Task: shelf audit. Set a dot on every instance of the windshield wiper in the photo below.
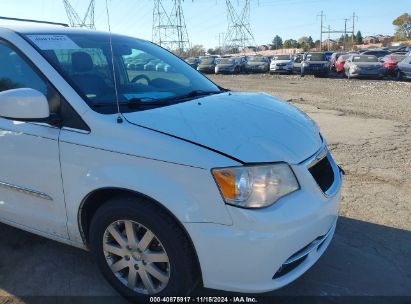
(145, 102)
(193, 94)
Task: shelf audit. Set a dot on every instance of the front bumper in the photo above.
(256, 69)
(366, 73)
(207, 69)
(255, 253)
(316, 71)
(219, 70)
(281, 69)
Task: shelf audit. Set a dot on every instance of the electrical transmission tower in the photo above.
(239, 34)
(74, 18)
(169, 29)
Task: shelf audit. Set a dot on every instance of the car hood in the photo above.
(256, 63)
(316, 62)
(250, 127)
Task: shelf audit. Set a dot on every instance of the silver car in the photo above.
(363, 66)
(256, 64)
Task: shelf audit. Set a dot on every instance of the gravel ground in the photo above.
(367, 124)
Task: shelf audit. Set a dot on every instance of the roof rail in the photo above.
(34, 21)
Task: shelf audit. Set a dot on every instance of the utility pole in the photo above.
(345, 33)
(329, 37)
(354, 18)
(322, 16)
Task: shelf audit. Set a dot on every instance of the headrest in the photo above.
(81, 62)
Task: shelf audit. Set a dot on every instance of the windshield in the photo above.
(316, 57)
(365, 59)
(225, 60)
(144, 72)
(257, 59)
(281, 57)
(207, 60)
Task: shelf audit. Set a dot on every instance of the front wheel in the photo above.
(141, 250)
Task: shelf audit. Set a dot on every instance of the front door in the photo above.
(31, 192)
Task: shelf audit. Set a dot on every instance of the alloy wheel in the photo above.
(136, 257)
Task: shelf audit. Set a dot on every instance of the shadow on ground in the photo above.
(364, 259)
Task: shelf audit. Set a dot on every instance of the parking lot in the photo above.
(368, 126)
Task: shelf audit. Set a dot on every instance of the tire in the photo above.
(398, 75)
(161, 253)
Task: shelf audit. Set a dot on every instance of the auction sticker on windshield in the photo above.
(53, 42)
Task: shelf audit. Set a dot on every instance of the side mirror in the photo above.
(24, 105)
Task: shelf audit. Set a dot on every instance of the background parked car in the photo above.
(333, 60)
(339, 65)
(193, 62)
(257, 64)
(297, 62)
(151, 65)
(404, 68)
(363, 66)
(328, 55)
(403, 48)
(390, 63)
(282, 64)
(233, 65)
(207, 64)
(315, 63)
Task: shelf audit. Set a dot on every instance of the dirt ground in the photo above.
(368, 126)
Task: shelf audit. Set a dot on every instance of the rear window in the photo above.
(282, 57)
(365, 59)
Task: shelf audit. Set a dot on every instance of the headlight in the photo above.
(255, 186)
(354, 67)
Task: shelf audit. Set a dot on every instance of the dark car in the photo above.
(315, 63)
(404, 68)
(256, 64)
(328, 55)
(231, 65)
(207, 64)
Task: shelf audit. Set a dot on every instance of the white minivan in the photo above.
(170, 180)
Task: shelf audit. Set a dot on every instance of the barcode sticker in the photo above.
(53, 42)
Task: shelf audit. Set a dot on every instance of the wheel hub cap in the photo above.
(136, 257)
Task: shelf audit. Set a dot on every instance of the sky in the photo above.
(206, 19)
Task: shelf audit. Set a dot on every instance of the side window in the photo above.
(16, 72)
